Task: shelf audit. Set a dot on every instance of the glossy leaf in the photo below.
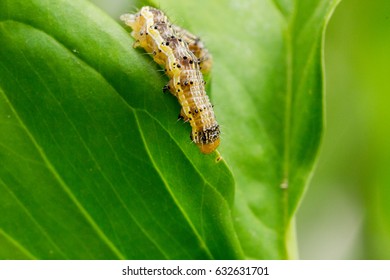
(94, 162)
(268, 91)
(96, 165)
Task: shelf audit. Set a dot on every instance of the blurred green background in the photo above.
(345, 213)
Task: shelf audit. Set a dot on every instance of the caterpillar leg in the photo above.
(171, 87)
(166, 88)
(182, 116)
(136, 44)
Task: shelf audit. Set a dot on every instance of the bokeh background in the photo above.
(345, 213)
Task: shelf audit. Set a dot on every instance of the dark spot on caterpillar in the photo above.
(167, 43)
(184, 57)
(191, 61)
(196, 111)
(191, 82)
(178, 66)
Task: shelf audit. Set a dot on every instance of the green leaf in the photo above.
(95, 164)
(268, 91)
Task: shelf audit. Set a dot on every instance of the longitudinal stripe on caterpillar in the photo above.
(176, 50)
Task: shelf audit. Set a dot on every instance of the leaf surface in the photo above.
(94, 163)
(268, 95)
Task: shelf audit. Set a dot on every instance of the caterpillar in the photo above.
(182, 55)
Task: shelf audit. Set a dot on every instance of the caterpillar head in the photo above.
(207, 139)
(210, 147)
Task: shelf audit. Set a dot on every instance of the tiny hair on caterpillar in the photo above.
(184, 58)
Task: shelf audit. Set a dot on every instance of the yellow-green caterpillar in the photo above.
(183, 56)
